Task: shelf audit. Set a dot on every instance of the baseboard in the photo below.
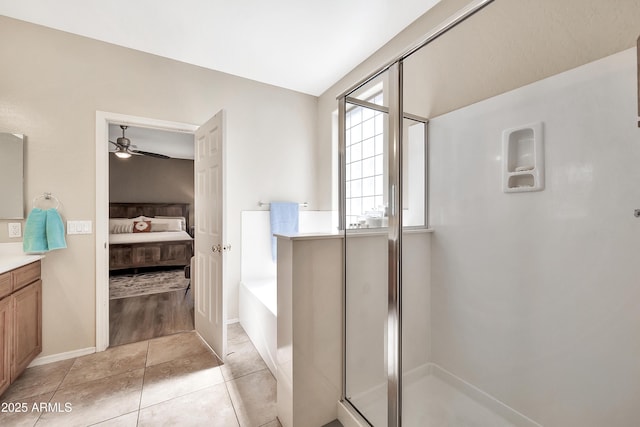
(44, 360)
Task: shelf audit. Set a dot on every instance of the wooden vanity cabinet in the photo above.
(26, 326)
(5, 343)
(20, 321)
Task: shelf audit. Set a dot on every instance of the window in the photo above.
(365, 161)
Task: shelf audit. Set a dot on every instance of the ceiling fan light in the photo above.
(122, 154)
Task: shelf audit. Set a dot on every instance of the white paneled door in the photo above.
(210, 248)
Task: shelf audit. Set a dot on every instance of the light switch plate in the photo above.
(15, 229)
(79, 227)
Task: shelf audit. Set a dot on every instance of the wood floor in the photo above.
(149, 316)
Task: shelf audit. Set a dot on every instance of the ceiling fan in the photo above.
(124, 149)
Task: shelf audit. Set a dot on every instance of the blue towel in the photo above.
(55, 230)
(284, 220)
(43, 231)
(35, 232)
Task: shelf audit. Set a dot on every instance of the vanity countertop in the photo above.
(10, 262)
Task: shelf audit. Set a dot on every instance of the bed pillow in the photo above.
(114, 222)
(126, 221)
(121, 228)
(157, 226)
(141, 226)
(173, 223)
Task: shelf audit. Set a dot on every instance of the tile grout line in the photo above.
(112, 418)
(95, 379)
(269, 422)
(180, 396)
(144, 374)
(67, 374)
(235, 412)
(233, 405)
(195, 390)
(56, 390)
(244, 375)
(218, 365)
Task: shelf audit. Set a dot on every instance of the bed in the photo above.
(149, 235)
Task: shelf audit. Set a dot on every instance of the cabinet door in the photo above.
(27, 327)
(5, 284)
(5, 343)
(24, 275)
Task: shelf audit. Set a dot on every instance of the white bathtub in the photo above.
(258, 288)
(258, 316)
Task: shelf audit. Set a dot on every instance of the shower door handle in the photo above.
(392, 200)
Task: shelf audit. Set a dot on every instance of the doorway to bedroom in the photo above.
(151, 217)
(207, 266)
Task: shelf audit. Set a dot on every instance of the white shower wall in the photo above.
(535, 297)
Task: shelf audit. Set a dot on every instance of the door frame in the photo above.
(103, 119)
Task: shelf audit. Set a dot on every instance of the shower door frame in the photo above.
(396, 116)
(395, 228)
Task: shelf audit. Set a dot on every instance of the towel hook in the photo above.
(46, 196)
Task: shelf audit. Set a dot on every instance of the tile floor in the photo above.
(169, 381)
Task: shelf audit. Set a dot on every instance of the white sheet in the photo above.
(160, 236)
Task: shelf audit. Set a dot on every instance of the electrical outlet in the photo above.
(15, 229)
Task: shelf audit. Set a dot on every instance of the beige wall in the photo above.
(52, 83)
(145, 179)
(505, 46)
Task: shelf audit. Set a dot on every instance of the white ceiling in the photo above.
(306, 46)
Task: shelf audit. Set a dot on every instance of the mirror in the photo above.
(11, 176)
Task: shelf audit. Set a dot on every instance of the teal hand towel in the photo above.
(55, 230)
(43, 231)
(35, 234)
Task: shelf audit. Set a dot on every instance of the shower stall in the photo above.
(466, 298)
(384, 216)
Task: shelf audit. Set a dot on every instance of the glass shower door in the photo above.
(371, 352)
(364, 169)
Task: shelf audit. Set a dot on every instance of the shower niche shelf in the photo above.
(523, 159)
